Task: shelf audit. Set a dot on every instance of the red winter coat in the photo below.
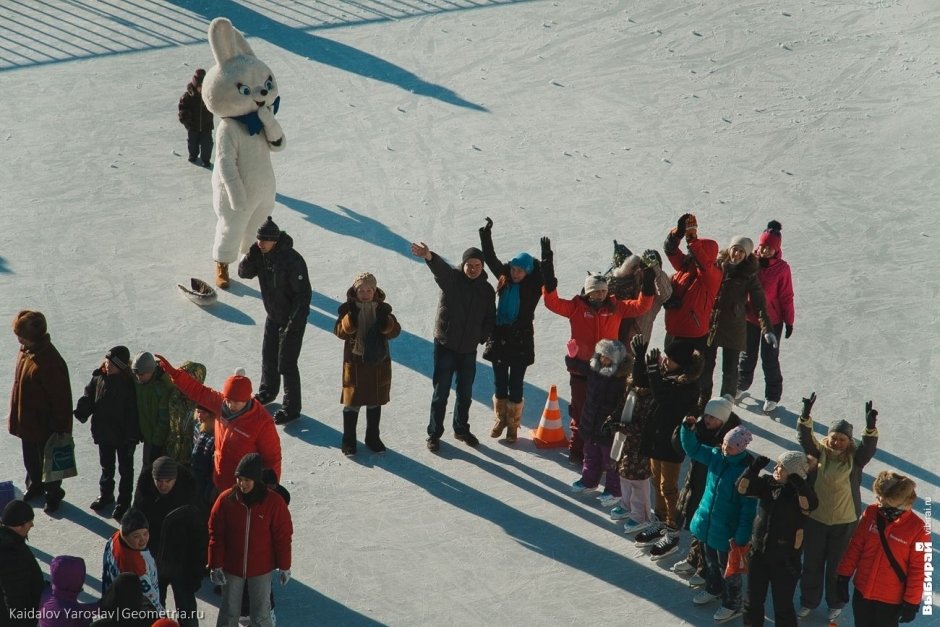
(778, 293)
(696, 279)
(248, 541)
(41, 399)
(865, 557)
(252, 431)
(588, 325)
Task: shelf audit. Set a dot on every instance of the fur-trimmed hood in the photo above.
(747, 268)
(613, 350)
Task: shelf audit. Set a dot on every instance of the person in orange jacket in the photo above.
(887, 592)
(594, 315)
(250, 531)
(242, 425)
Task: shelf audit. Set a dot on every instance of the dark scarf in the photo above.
(251, 120)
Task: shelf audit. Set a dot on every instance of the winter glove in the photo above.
(787, 330)
(808, 405)
(638, 344)
(548, 266)
(651, 258)
(759, 464)
(871, 416)
(649, 282)
(487, 228)
(610, 426)
(621, 252)
(652, 360)
(284, 577)
(382, 312)
(679, 231)
(353, 312)
(166, 367)
(909, 612)
(771, 339)
(217, 577)
(842, 588)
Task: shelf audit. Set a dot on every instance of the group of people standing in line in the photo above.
(220, 450)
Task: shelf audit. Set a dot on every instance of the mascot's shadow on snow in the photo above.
(327, 51)
(352, 224)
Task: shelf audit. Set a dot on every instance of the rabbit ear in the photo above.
(225, 41)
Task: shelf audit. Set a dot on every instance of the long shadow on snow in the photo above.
(326, 51)
(352, 224)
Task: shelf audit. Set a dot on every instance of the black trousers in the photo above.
(183, 595)
(729, 371)
(769, 361)
(874, 613)
(280, 351)
(33, 455)
(779, 570)
(125, 465)
(199, 142)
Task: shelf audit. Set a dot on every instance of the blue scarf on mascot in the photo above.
(251, 120)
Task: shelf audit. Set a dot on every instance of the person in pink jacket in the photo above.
(242, 425)
(774, 276)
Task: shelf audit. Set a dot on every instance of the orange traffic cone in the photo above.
(550, 433)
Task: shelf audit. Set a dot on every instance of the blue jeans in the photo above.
(508, 381)
(728, 588)
(448, 363)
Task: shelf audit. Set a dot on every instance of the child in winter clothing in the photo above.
(366, 324)
(201, 461)
(606, 390)
(511, 347)
(672, 379)
(197, 119)
(594, 315)
(785, 498)
(250, 534)
(126, 552)
(837, 482)
(123, 597)
(111, 401)
(774, 277)
(153, 404)
(723, 517)
(632, 465)
(62, 609)
(717, 420)
(728, 325)
(179, 439)
(887, 591)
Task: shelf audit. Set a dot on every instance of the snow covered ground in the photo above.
(585, 121)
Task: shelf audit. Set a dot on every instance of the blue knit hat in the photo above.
(523, 261)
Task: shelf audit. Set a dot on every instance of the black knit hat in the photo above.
(164, 468)
(681, 352)
(251, 467)
(268, 232)
(120, 357)
(16, 513)
(133, 520)
(471, 253)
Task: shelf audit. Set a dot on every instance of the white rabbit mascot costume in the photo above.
(241, 91)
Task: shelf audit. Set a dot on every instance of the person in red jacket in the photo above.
(594, 315)
(886, 592)
(242, 425)
(774, 276)
(250, 532)
(694, 284)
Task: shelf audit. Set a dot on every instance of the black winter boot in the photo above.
(373, 415)
(350, 419)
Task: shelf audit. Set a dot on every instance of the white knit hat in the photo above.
(594, 283)
(794, 463)
(719, 408)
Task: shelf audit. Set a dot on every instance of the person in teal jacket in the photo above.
(724, 517)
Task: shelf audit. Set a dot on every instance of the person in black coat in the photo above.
(110, 400)
(122, 605)
(21, 580)
(673, 380)
(197, 119)
(777, 540)
(511, 347)
(285, 291)
(178, 537)
(466, 314)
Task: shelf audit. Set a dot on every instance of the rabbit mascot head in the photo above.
(242, 91)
